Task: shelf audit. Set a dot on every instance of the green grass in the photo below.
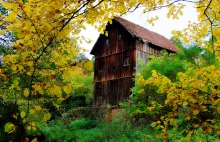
(121, 129)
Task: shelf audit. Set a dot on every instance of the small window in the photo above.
(119, 36)
(100, 66)
(126, 61)
(107, 42)
(114, 68)
(99, 92)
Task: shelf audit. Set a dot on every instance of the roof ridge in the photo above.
(147, 35)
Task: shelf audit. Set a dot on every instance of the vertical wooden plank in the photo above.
(104, 94)
(116, 35)
(117, 91)
(95, 95)
(121, 91)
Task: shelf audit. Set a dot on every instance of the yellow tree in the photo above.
(39, 66)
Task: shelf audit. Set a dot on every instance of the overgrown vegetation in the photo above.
(86, 130)
(122, 128)
(179, 93)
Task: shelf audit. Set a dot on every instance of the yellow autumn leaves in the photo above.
(26, 92)
(156, 79)
(53, 90)
(194, 93)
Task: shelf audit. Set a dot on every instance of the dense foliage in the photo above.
(120, 129)
(179, 91)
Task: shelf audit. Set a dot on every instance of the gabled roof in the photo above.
(145, 35)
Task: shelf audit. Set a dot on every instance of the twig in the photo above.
(211, 23)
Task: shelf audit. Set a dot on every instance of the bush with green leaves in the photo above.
(168, 65)
(84, 87)
(82, 92)
(8, 111)
(120, 129)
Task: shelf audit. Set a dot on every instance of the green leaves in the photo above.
(53, 65)
(154, 124)
(9, 127)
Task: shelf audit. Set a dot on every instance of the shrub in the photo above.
(168, 65)
(8, 112)
(121, 129)
(84, 87)
(71, 115)
(56, 131)
(83, 124)
(180, 101)
(86, 130)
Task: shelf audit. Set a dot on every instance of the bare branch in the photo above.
(211, 23)
(163, 6)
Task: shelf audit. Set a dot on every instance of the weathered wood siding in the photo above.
(112, 91)
(116, 58)
(114, 66)
(114, 45)
(145, 49)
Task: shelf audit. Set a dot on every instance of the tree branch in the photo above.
(211, 23)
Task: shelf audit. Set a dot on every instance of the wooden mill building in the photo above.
(116, 59)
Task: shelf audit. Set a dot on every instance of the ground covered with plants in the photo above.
(147, 116)
(179, 92)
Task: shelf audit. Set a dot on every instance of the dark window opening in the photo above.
(126, 61)
(99, 92)
(114, 69)
(107, 42)
(120, 37)
(101, 66)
